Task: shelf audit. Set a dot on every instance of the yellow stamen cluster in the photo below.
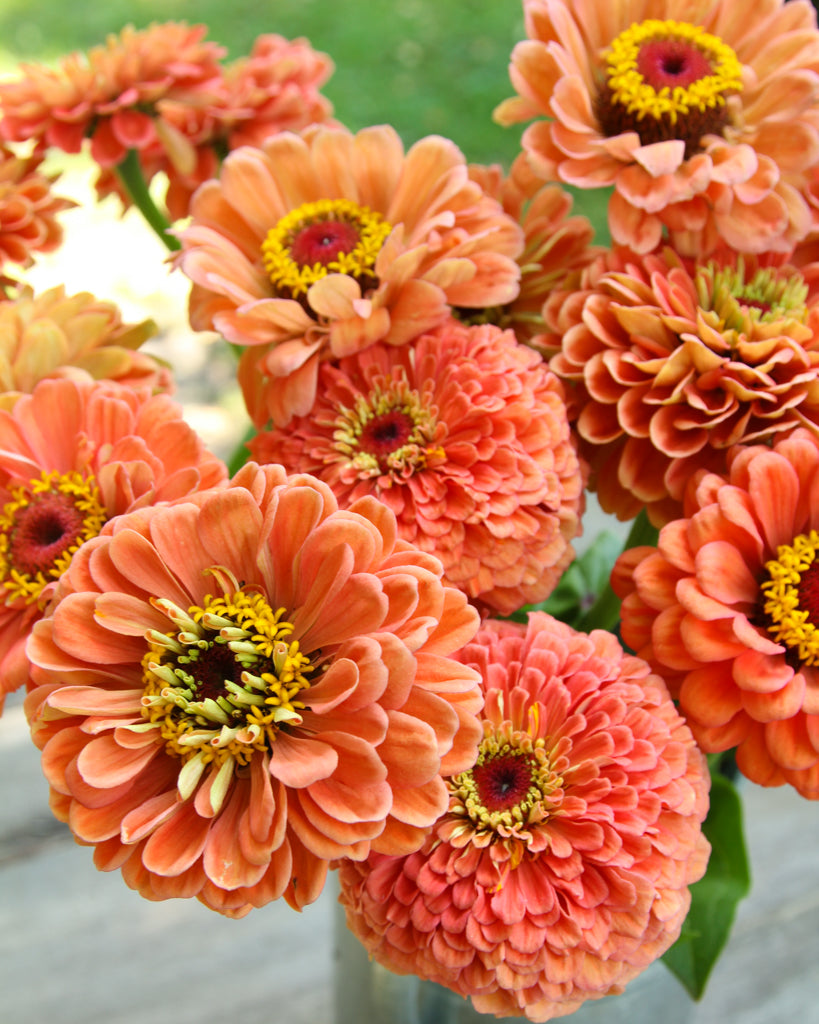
(630, 89)
(294, 279)
(767, 298)
(220, 685)
(387, 397)
(83, 494)
(788, 623)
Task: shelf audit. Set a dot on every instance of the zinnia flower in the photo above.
(561, 868)
(555, 246)
(72, 456)
(320, 245)
(726, 607)
(673, 366)
(464, 435)
(111, 94)
(701, 115)
(77, 336)
(28, 209)
(238, 687)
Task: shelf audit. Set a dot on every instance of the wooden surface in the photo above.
(79, 947)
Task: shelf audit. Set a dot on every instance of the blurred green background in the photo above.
(425, 66)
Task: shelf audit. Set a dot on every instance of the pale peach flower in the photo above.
(112, 94)
(561, 869)
(674, 363)
(73, 455)
(726, 607)
(77, 336)
(28, 209)
(701, 114)
(463, 433)
(317, 246)
(234, 689)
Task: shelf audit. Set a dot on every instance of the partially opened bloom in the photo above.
(76, 336)
(238, 687)
(555, 245)
(562, 866)
(702, 115)
(28, 209)
(673, 365)
(464, 434)
(726, 608)
(320, 245)
(111, 94)
(72, 456)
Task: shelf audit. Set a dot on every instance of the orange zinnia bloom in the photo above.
(28, 210)
(561, 869)
(237, 688)
(673, 365)
(77, 336)
(464, 434)
(319, 245)
(112, 94)
(72, 456)
(726, 607)
(701, 114)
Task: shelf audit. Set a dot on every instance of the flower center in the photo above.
(42, 526)
(668, 80)
(328, 236)
(393, 430)
(791, 597)
(737, 304)
(221, 684)
(511, 787)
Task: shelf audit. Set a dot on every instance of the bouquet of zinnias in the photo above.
(362, 645)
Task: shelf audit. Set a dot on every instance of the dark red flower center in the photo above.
(386, 433)
(323, 242)
(502, 782)
(43, 530)
(808, 590)
(671, 63)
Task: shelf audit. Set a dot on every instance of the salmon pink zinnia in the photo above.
(726, 607)
(234, 689)
(317, 246)
(561, 868)
(72, 456)
(28, 210)
(464, 435)
(705, 122)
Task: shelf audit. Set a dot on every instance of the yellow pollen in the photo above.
(630, 90)
(83, 501)
(222, 684)
(294, 278)
(788, 623)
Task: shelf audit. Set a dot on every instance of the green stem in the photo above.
(605, 612)
(240, 454)
(133, 181)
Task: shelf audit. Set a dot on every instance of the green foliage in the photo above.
(715, 897)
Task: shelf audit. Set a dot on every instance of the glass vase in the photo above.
(367, 993)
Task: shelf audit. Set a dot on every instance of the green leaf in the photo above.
(715, 897)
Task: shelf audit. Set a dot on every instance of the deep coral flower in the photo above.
(705, 122)
(673, 365)
(236, 688)
(28, 209)
(726, 608)
(562, 866)
(110, 94)
(555, 245)
(464, 435)
(72, 456)
(320, 245)
(59, 335)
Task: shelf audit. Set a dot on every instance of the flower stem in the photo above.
(605, 612)
(133, 181)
